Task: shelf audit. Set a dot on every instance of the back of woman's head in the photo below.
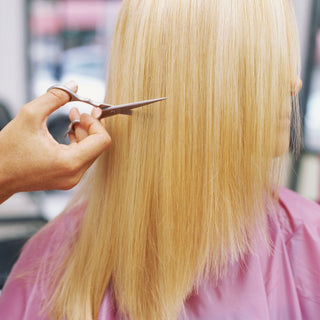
(182, 191)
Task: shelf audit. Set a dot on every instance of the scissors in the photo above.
(107, 109)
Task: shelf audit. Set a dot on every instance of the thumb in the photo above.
(52, 100)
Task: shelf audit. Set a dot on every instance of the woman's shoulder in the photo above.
(298, 212)
(296, 203)
(56, 233)
(300, 227)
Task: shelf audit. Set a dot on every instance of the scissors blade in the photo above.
(126, 108)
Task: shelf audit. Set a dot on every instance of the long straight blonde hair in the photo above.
(183, 190)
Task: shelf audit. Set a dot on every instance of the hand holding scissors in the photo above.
(32, 160)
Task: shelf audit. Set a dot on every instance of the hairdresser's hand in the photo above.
(32, 160)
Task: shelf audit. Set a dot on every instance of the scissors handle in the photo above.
(76, 97)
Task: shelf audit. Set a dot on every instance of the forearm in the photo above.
(4, 197)
(4, 190)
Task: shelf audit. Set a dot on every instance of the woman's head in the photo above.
(182, 191)
(234, 61)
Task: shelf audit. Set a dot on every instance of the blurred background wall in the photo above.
(13, 53)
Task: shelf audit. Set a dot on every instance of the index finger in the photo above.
(52, 100)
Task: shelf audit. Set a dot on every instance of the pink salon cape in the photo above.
(284, 285)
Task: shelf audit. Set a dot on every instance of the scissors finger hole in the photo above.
(71, 126)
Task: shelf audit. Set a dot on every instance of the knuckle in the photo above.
(28, 112)
(72, 167)
(71, 182)
(59, 95)
(70, 173)
(106, 141)
(68, 166)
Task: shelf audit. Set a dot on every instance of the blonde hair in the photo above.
(183, 190)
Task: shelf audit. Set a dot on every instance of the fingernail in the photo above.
(96, 112)
(72, 85)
